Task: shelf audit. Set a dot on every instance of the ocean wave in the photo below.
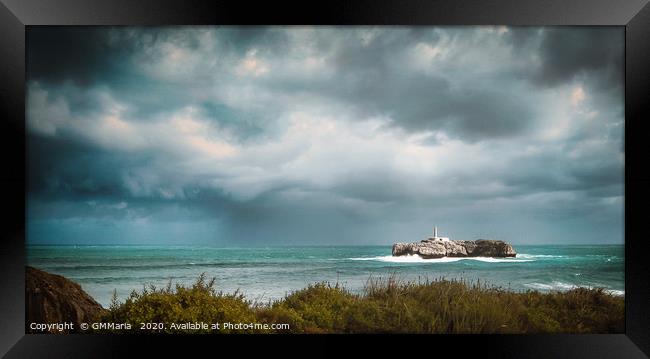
(146, 266)
(418, 259)
(524, 255)
(551, 286)
(562, 286)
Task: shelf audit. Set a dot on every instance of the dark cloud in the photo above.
(61, 168)
(322, 134)
(69, 53)
(524, 38)
(480, 114)
(567, 52)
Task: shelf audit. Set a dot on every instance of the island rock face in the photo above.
(429, 248)
(51, 298)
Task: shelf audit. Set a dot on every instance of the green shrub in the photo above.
(386, 306)
(320, 306)
(198, 303)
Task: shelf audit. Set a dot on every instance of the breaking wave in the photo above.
(527, 256)
(562, 286)
(418, 259)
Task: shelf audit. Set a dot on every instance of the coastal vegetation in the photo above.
(386, 305)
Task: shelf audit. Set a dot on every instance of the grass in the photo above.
(385, 306)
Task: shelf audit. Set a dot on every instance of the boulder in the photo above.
(51, 298)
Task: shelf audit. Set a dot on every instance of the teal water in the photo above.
(264, 274)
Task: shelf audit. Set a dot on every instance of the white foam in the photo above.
(524, 255)
(561, 286)
(552, 286)
(418, 259)
(498, 260)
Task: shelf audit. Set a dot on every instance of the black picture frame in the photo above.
(15, 15)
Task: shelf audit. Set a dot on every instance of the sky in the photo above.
(265, 136)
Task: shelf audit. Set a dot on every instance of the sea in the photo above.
(265, 274)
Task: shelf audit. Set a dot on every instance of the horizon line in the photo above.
(278, 245)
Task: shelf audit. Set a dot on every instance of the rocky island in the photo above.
(438, 247)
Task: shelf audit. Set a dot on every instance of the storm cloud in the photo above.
(324, 135)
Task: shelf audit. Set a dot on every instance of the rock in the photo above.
(402, 249)
(454, 249)
(493, 248)
(51, 298)
(470, 247)
(430, 248)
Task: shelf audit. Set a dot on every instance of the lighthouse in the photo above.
(435, 235)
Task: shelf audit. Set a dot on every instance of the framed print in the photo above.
(362, 172)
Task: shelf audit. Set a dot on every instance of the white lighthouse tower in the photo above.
(435, 235)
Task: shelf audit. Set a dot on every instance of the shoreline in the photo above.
(542, 288)
(326, 308)
(100, 270)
